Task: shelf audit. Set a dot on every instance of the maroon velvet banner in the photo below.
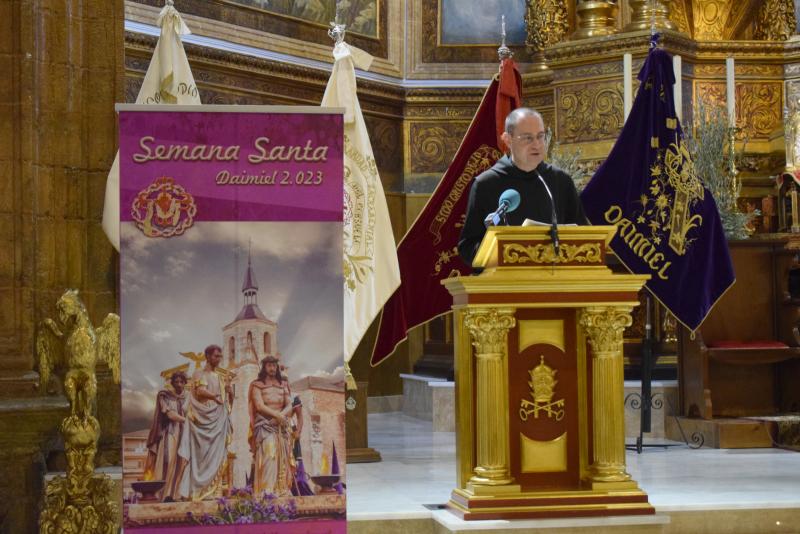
(429, 251)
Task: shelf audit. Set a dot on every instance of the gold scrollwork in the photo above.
(542, 383)
(710, 18)
(546, 22)
(489, 329)
(433, 146)
(604, 327)
(589, 112)
(758, 106)
(775, 21)
(567, 253)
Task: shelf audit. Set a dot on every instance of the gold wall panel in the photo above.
(433, 145)
(742, 70)
(543, 456)
(590, 111)
(758, 105)
(548, 331)
(710, 17)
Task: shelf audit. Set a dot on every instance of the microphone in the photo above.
(509, 201)
(553, 215)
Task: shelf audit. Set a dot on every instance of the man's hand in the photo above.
(229, 392)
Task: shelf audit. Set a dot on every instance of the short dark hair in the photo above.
(210, 350)
(513, 118)
(176, 375)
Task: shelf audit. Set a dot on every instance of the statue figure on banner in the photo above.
(167, 442)
(210, 429)
(271, 441)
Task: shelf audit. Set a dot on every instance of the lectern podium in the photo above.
(539, 378)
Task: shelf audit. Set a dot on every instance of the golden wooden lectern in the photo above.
(539, 378)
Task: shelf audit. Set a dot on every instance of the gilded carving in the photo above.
(677, 14)
(443, 110)
(434, 144)
(758, 106)
(542, 383)
(546, 22)
(589, 112)
(775, 21)
(514, 253)
(81, 501)
(489, 330)
(742, 69)
(710, 18)
(539, 101)
(604, 328)
(590, 71)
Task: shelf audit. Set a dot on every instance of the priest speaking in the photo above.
(545, 193)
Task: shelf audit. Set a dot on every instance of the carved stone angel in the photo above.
(74, 344)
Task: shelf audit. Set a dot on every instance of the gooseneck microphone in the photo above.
(553, 215)
(509, 201)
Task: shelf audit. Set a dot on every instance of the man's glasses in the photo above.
(527, 139)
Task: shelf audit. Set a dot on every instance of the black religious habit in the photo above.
(534, 201)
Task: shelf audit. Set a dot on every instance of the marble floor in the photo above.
(418, 472)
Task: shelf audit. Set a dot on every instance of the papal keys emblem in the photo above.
(163, 209)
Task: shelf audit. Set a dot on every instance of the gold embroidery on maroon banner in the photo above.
(480, 160)
(163, 209)
(443, 257)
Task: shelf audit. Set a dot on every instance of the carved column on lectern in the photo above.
(489, 331)
(604, 326)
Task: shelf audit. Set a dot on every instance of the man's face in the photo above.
(527, 143)
(178, 384)
(215, 358)
(271, 368)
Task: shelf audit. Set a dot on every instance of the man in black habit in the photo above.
(525, 171)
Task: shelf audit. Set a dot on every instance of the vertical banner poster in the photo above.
(231, 304)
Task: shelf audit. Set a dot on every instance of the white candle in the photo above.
(731, 96)
(627, 68)
(677, 90)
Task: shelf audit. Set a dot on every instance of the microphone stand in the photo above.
(553, 218)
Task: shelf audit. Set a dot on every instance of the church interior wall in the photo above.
(67, 69)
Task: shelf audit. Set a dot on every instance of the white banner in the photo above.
(168, 80)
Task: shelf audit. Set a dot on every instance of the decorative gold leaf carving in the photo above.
(433, 145)
(547, 22)
(489, 329)
(514, 253)
(604, 328)
(758, 105)
(589, 112)
(775, 21)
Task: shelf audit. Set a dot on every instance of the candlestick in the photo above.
(627, 64)
(731, 96)
(678, 90)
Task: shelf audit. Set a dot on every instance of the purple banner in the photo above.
(231, 297)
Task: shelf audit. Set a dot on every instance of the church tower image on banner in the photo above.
(250, 338)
